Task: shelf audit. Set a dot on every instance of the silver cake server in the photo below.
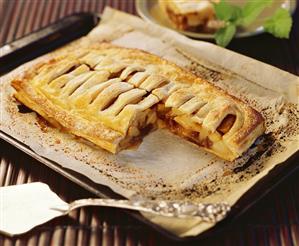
(208, 212)
(26, 206)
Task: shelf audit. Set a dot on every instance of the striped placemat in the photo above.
(272, 221)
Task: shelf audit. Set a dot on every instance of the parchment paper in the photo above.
(165, 166)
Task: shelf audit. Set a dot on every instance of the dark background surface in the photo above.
(272, 221)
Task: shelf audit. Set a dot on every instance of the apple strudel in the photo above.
(113, 96)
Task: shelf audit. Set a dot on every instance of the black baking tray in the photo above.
(71, 28)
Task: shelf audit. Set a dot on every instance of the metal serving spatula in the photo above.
(22, 207)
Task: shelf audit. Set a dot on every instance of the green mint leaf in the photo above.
(224, 35)
(252, 9)
(227, 12)
(279, 24)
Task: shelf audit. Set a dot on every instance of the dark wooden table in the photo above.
(272, 221)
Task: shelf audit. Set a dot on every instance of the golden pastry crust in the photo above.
(61, 117)
(113, 96)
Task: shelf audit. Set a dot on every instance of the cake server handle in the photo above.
(208, 212)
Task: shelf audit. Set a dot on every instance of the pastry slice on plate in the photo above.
(114, 96)
(191, 15)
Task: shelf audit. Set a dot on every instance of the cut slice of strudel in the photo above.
(191, 15)
(113, 96)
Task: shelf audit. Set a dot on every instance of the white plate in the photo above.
(149, 10)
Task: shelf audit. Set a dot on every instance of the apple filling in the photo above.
(185, 127)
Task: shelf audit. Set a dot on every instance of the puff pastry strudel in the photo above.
(113, 96)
